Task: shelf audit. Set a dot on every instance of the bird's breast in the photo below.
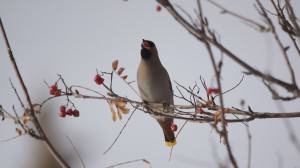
(154, 85)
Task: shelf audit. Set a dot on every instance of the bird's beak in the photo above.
(145, 44)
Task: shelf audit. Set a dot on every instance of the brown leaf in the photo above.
(26, 119)
(119, 114)
(114, 116)
(124, 110)
(120, 70)
(115, 64)
(119, 103)
(124, 77)
(19, 131)
(113, 112)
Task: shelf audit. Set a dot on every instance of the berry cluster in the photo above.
(54, 90)
(63, 112)
(98, 79)
(174, 127)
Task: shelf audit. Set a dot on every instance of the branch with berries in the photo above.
(201, 109)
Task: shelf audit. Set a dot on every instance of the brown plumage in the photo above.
(155, 86)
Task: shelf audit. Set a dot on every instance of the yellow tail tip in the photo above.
(170, 144)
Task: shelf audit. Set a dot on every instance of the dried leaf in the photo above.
(124, 110)
(119, 114)
(120, 103)
(115, 64)
(120, 70)
(113, 112)
(26, 119)
(124, 77)
(114, 116)
(19, 131)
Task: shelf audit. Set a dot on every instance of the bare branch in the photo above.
(255, 24)
(290, 87)
(36, 123)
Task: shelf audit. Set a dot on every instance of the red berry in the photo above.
(57, 93)
(213, 90)
(98, 79)
(62, 114)
(53, 87)
(174, 127)
(69, 112)
(54, 90)
(76, 113)
(62, 108)
(158, 8)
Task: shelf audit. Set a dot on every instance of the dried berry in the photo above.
(62, 108)
(213, 91)
(62, 114)
(174, 127)
(54, 90)
(57, 93)
(69, 112)
(76, 113)
(158, 8)
(98, 79)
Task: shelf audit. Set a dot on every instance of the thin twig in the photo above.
(16, 92)
(259, 26)
(249, 146)
(276, 36)
(129, 162)
(36, 123)
(179, 131)
(11, 138)
(235, 86)
(121, 131)
(77, 153)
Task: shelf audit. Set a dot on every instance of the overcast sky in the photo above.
(73, 38)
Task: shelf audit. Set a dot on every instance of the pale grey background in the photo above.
(73, 38)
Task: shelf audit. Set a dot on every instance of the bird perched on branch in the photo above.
(155, 86)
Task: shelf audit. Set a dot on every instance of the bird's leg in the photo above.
(166, 107)
(147, 107)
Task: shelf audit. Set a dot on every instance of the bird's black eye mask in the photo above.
(146, 54)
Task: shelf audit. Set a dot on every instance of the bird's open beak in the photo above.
(145, 44)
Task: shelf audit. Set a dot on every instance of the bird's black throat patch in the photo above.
(146, 54)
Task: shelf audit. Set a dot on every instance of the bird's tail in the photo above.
(168, 133)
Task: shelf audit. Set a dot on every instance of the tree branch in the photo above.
(35, 121)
